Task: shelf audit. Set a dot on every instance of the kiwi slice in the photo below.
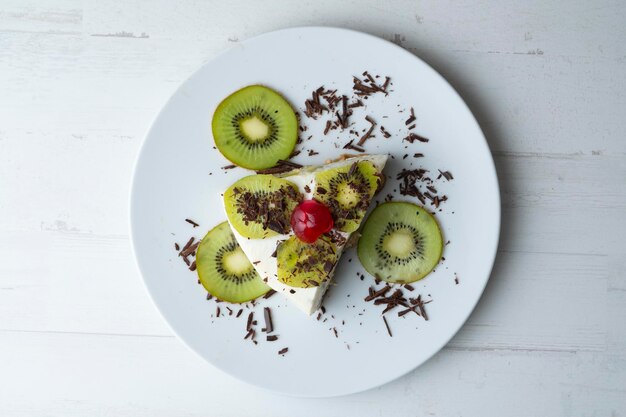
(303, 264)
(255, 127)
(224, 270)
(347, 191)
(260, 206)
(400, 242)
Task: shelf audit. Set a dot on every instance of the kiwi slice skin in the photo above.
(347, 191)
(260, 206)
(255, 127)
(305, 265)
(400, 242)
(224, 270)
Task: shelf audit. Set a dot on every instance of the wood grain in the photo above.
(80, 82)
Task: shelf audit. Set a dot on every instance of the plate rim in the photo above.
(490, 255)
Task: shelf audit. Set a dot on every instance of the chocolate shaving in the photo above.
(386, 84)
(387, 326)
(368, 86)
(239, 312)
(283, 351)
(278, 169)
(446, 174)
(367, 134)
(289, 163)
(411, 118)
(177, 246)
(249, 322)
(281, 167)
(418, 155)
(312, 152)
(412, 137)
(344, 119)
(384, 132)
(350, 145)
(269, 294)
(191, 222)
(189, 242)
(375, 294)
(190, 249)
(193, 266)
(229, 166)
(407, 311)
(269, 209)
(352, 169)
(271, 338)
(313, 106)
(217, 312)
(336, 237)
(420, 304)
(267, 315)
(327, 128)
(358, 103)
(408, 184)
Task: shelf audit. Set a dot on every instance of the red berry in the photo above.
(310, 220)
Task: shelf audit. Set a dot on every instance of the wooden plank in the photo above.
(78, 375)
(70, 282)
(58, 17)
(80, 82)
(540, 301)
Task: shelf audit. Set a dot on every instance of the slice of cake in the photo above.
(293, 227)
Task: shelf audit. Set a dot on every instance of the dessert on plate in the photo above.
(294, 228)
(287, 228)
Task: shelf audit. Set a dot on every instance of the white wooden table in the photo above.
(81, 81)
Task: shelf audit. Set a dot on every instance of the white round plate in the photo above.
(178, 175)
